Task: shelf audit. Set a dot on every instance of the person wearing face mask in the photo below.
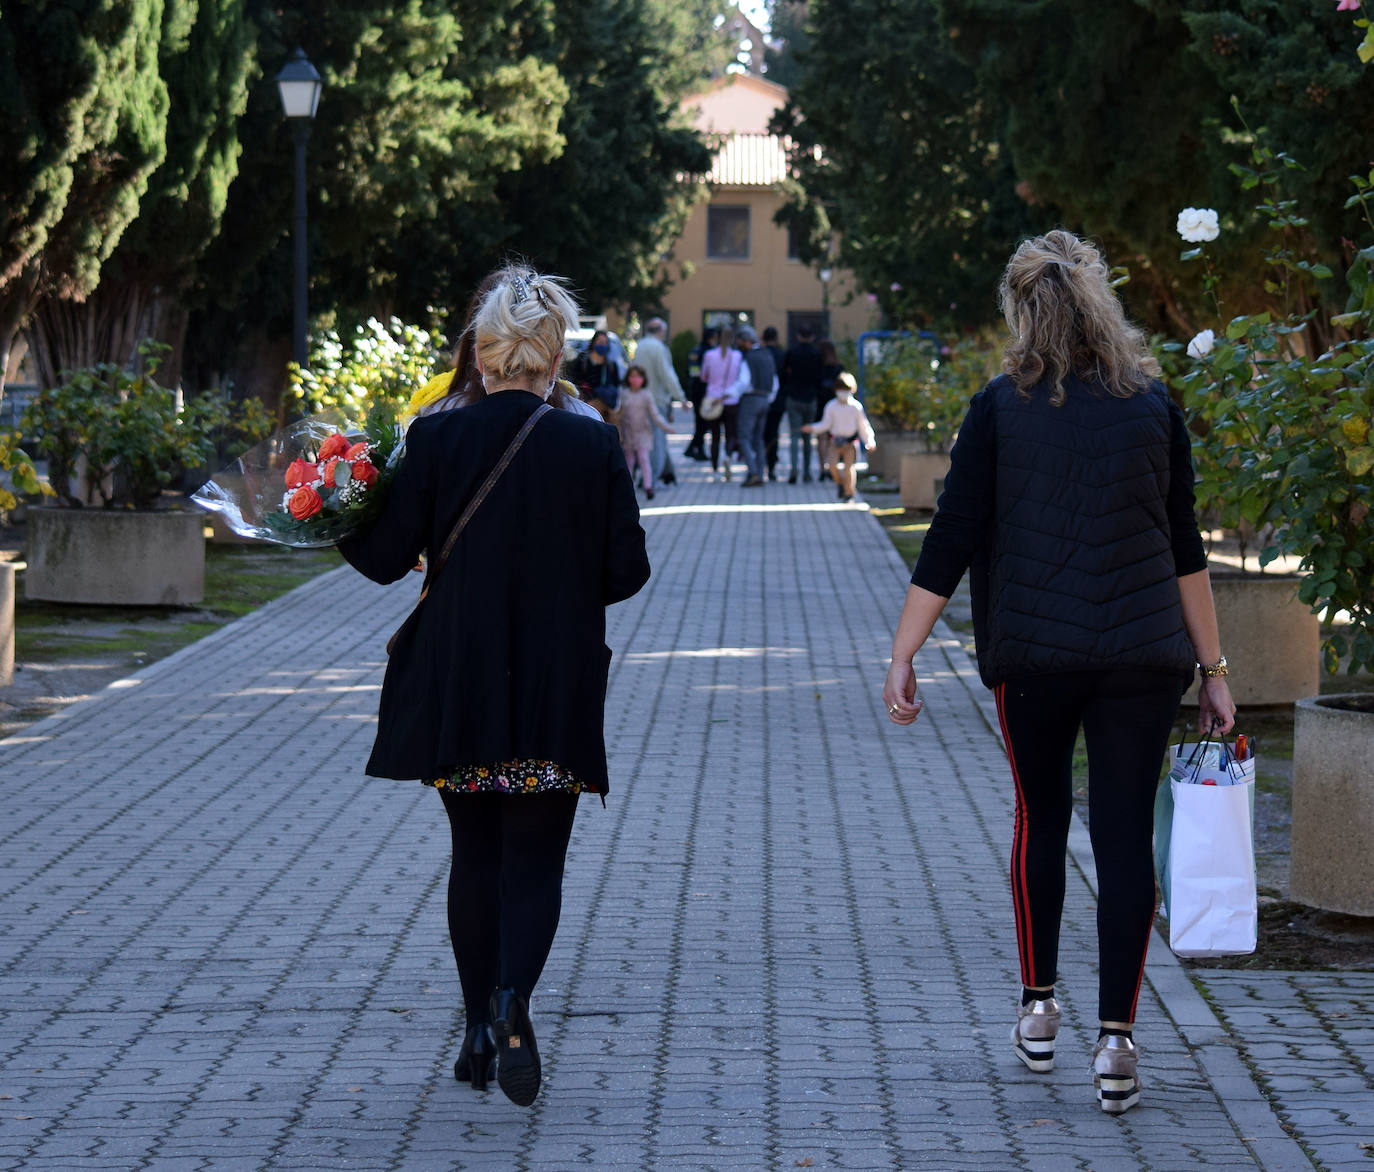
(846, 424)
(597, 378)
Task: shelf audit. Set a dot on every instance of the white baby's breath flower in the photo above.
(1202, 344)
(1197, 225)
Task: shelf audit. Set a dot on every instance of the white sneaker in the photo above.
(1032, 1037)
(1115, 1074)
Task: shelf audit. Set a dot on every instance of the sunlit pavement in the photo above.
(786, 942)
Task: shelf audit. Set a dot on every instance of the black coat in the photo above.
(506, 659)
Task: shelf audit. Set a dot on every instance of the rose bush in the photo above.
(1284, 434)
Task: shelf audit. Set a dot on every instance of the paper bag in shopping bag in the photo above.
(1204, 850)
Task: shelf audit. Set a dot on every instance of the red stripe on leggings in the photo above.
(1020, 897)
(1144, 953)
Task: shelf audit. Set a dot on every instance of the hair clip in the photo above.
(519, 288)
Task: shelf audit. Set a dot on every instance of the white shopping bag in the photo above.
(1204, 851)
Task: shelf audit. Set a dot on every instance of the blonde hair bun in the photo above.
(519, 328)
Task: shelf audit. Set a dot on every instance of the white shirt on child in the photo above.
(842, 420)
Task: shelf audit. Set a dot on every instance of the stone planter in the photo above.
(1333, 803)
(116, 557)
(1271, 640)
(7, 570)
(886, 459)
(920, 471)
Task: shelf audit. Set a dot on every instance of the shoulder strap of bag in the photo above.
(480, 495)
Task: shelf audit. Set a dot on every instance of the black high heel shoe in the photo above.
(476, 1057)
(517, 1061)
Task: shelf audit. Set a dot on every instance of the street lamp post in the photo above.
(299, 86)
(825, 275)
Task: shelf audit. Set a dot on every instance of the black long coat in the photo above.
(507, 658)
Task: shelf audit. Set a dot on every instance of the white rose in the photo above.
(1196, 225)
(1201, 345)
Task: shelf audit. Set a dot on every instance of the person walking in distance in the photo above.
(696, 391)
(846, 424)
(1070, 499)
(720, 405)
(639, 421)
(831, 369)
(656, 360)
(776, 404)
(755, 386)
(492, 695)
(801, 388)
(597, 378)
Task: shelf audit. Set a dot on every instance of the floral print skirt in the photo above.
(510, 777)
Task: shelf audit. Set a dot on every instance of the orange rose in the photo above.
(301, 473)
(336, 445)
(304, 502)
(357, 450)
(365, 472)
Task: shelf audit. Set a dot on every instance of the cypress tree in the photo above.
(83, 113)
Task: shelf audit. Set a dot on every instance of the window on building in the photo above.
(727, 232)
(793, 243)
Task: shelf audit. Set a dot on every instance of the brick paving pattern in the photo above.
(787, 942)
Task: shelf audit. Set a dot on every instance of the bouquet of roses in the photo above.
(313, 483)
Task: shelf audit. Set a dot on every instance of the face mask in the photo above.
(602, 348)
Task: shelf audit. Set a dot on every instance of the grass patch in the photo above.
(238, 580)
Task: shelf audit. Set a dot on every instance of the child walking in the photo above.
(846, 424)
(638, 418)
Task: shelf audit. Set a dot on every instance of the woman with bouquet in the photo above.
(495, 690)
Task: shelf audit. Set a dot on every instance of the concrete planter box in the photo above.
(116, 557)
(1333, 804)
(1271, 640)
(886, 459)
(7, 570)
(920, 471)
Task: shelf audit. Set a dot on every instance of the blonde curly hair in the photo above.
(1065, 320)
(519, 328)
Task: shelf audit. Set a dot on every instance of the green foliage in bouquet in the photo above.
(379, 365)
(1283, 434)
(920, 386)
(130, 432)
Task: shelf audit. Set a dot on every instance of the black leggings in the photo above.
(505, 889)
(726, 422)
(1126, 717)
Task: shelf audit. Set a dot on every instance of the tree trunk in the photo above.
(15, 302)
(65, 335)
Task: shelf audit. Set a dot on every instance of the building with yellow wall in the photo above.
(741, 264)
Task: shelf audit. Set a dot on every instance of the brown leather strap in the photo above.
(480, 495)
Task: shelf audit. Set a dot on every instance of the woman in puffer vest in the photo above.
(1070, 501)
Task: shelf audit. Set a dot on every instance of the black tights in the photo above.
(1126, 717)
(505, 889)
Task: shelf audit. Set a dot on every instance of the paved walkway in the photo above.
(787, 942)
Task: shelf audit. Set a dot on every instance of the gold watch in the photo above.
(1213, 670)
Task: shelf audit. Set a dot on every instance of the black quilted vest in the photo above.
(1078, 573)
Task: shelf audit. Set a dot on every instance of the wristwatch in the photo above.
(1213, 670)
